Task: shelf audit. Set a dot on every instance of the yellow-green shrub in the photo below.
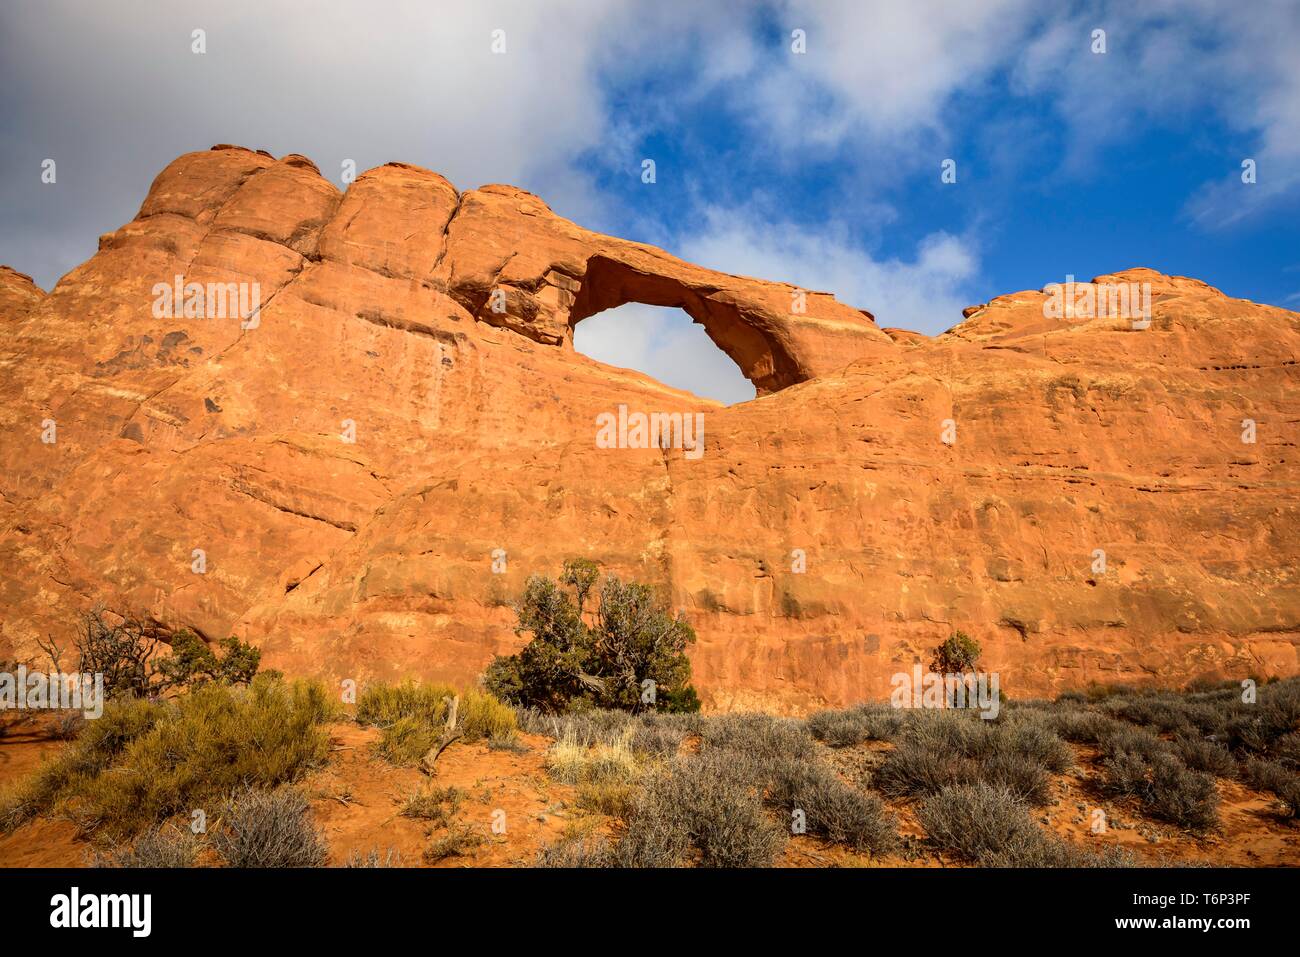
(96, 747)
(381, 705)
(606, 775)
(141, 763)
(412, 717)
(483, 716)
(407, 740)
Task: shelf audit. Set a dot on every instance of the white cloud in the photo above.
(114, 92)
(1174, 60)
(925, 293)
(878, 72)
(666, 345)
(890, 66)
(1264, 98)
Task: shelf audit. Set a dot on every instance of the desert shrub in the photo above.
(438, 804)
(943, 749)
(171, 757)
(1138, 763)
(659, 736)
(1138, 741)
(309, 699)
(1275, 715)
(606, 775)
(1083, 727)
(374, 858)
(1287, 750)
(412, 718)
(121, 652)
(99, 745)
(759, 736)
(407, 740)
(568, 663)
(1281, 705)
(1127, 752)
(912, 769)
(1109, 856)
(535, 721)
(483, 716)
(1181, 796)
(1205, 713)
(381, 705)
(958, 654)
(1201, 755)
(1165, 713)
(67, 724)
(192, 662)
(986, 825)
(839, 729)
(948, 730)
(832, 809)
(457, 841)
(977, 821)
(167, 847)
(699, 809)
(749, 761)
(1040, 849)
(263, 828)
(1028, 849)
(1098, 691)
(842, 729)
(881, 723)
(1034, 738)
(1264, 775)
(1208, 716)
(1246, 732)
(577, 851)
(590, 726)
(1027, 780)
(1124, 773)
(1165, 787)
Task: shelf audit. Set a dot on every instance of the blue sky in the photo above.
(820, 168)
(1147, 175)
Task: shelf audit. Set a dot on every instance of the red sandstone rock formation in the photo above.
(475, 432)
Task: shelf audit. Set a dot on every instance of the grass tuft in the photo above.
(262, 828)
(143, 762)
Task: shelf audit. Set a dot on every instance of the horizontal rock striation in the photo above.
(336, 473)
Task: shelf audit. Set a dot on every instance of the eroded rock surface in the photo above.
(435, 326)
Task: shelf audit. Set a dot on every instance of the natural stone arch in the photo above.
(762, 358)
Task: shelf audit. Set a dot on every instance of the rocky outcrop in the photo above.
(18, 294)
(360, 473)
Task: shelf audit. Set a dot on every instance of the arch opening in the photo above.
(741, 329)
(665, 344)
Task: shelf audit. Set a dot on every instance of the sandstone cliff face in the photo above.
(435, 326)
